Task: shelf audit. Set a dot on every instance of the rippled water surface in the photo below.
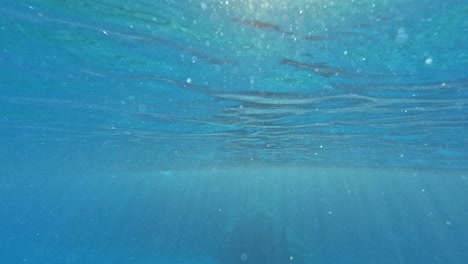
(183, 83)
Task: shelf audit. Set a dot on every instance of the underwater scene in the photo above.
(234, 132)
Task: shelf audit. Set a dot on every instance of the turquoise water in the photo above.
(233, 131)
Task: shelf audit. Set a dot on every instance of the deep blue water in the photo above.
(233, 131)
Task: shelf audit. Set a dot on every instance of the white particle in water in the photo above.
(428, 60)
(167, 173)
(203, 5)
(401, 35)
(189, 80)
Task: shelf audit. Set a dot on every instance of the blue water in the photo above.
(226, 132)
